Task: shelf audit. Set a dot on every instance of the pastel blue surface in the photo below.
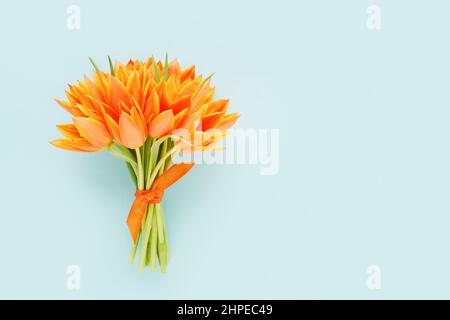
(364, 157)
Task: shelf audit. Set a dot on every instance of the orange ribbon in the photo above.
(144, 197)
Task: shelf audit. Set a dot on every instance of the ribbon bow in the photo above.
(151, 196)
(145, 197)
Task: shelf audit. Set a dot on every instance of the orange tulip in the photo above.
(131, 134)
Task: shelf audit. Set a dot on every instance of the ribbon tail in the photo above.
(172, 175)
(135, 216)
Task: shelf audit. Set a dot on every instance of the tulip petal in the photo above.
(137, 118)
(174, 67)
(161, 125)
(119, 93)
(187, 74)
(130, 134)
(93, 131)
(179, 117)
(180, 104)
(65, 105)
(211, 121)
(80, 145)
(113, 127)
(68, 130)
(201, 93)
(189, 121)
(227, 121)
(151, 105)
(216, 106)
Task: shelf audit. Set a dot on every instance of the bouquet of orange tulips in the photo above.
(145, 113)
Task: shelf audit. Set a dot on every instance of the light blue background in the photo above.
(364, 158)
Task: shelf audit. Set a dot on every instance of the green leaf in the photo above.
(147, 226)
(94, 64)
(153, 245)
(123, 154)
(154, 155)
(170, 145)
(132, 173)
(111, 67)
(166, 67)
(147, 149)
(127, 152)
(155, 68)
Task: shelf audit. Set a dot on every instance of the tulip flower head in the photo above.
(141, 100)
